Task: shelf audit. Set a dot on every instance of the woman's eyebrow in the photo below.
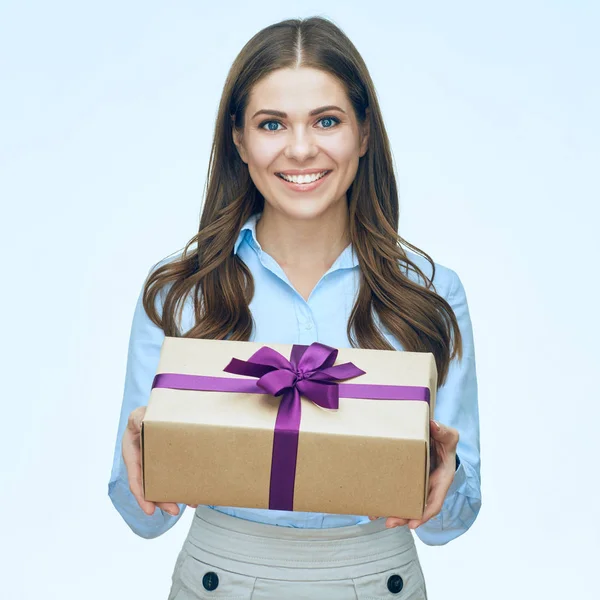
(312, 113)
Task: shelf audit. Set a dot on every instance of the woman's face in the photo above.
(281, 136)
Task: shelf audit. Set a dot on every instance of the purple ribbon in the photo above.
(310, 372)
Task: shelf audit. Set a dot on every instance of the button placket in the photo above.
(306, 325)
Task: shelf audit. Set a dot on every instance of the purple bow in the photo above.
(309, 372)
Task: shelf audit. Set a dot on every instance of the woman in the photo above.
(298, 243)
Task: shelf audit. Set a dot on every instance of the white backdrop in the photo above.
(106, 117)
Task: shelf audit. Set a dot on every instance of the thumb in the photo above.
(136, 417)
(439, 432)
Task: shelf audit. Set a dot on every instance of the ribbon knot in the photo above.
(300, 375)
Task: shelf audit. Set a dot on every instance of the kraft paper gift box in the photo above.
(248, 447)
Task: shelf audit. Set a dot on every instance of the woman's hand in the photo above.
(443, 444)
(132, 457)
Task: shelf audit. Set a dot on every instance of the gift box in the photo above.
(303, 428)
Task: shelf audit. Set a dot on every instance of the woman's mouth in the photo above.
(304, 183)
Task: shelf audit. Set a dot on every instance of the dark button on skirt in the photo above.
(395, 584)
(210, 581)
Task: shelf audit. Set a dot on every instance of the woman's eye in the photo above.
(330, 122)
(269, 123)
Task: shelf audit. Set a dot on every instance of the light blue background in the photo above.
(106, 120)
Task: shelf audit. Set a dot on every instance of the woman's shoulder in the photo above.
(444, 278)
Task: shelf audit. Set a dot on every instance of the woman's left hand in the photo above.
(443, 444)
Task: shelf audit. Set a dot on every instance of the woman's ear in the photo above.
(239, 143)
(364, 143)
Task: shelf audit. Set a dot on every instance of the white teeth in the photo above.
(302, 178)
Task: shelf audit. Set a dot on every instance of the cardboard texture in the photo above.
(369, 457)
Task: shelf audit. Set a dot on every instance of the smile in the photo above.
(303, 183)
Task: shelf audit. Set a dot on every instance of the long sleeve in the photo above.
(145, 343)
(457, 406)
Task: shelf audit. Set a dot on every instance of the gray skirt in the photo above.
(234, 559)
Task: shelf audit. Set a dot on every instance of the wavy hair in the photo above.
(219, 282)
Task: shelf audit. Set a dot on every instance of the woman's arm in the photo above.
(142, 361)
(457, 407)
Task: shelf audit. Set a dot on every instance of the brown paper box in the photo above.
(369, 457)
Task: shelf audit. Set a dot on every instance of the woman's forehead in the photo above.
(297, 91)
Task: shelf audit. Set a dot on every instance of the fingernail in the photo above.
(437, 425)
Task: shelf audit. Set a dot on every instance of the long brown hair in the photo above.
(221, 285)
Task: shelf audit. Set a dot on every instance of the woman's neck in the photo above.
(306, 243)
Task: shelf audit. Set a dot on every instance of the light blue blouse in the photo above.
(281, 315)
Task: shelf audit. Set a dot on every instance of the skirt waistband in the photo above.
(250, 547)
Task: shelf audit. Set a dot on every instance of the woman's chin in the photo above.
(303, 210)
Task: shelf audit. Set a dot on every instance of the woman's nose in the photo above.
(301, 146)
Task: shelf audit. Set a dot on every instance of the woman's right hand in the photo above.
(132, 457)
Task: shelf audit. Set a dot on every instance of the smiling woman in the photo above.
(298, 243)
